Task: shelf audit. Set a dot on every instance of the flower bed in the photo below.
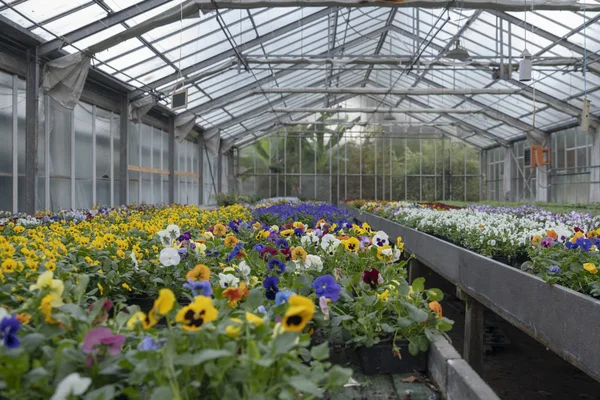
(233, 303)
(560, 248)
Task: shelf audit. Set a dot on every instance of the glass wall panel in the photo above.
(6, 142)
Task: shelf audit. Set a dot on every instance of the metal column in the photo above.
(220, 171)
(201, 169)
(123, 148)
(171, 160)
(31, 129)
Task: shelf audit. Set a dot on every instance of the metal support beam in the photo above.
(380, 110)
(526, 90)
(398, 60)
(384, 35)
(201, 169)
(123, 151)
(470, 4)
(246, 91)
(219, 170)
(595, 68)
(31, 129)
(172, 176)
(97, 26)
(232, 53)
(412, 91)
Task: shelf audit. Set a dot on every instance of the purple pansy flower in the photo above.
(9, 327)
(270, 284)
(276, 265)
(325, 286)
(234, 253)
(259, 247)
(554, 269)
(148, 343)
(96, 338)
(282, 243)
(199, 288)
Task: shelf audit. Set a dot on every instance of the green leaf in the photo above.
(336, 321)
(201, 357)
(423, 343)
(386, 328)
(418, 285)
(304, 385)
(404, 322)
(254, 299)
(434, 294)
(79, 291)
(104, 393)
(416, 314)
(320, 352)
(285, 342)
(32, 341)
(75, 311)
(162, 393)
(413, 348)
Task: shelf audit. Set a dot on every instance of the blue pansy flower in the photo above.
(270, 284)
(199, 288)
(9, 326)
(259, 247)
(283, 297)
(554, 269)
(282, 243)
(325, 286)
(277, 265)
(234, 253)
(148, 343)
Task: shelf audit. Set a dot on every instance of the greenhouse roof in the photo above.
(232, 59)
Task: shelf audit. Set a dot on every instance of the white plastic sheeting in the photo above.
(63, 79)
(141, 107)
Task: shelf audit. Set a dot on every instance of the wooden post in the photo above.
(473, 346)
(414, 270)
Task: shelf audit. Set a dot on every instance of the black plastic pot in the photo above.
(379, 359)
(374, 360)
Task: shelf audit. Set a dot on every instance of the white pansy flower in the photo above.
(169, 257)
(134, 260)
(381, 239)
(329, 242)
(174, 231)
(244, 269)
(165, 238)
(275, 228)
(228, 280)
(314, 262)
(208, 235)
(200, 249)
(72, 385)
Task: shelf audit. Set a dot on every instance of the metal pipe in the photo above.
(386, 91)
(380, 110)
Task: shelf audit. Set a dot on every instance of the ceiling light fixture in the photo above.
(458, 53)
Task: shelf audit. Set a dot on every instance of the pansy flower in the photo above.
(102, 339)
(235, 294)
(258, 247)
(283, 297)
(300, 311)
(381, 239)
(200, 273)
(270, 284)
(276, 265)
(282, 243)
(327, 287)
(299, 254)
(199, 288)
(9, 326)
(228, 280)
(372, 277)
(162, 306)
(230, 241)
(201, 311)
(237, 250)
(219, 230)
(351, 244)
(268, 252)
